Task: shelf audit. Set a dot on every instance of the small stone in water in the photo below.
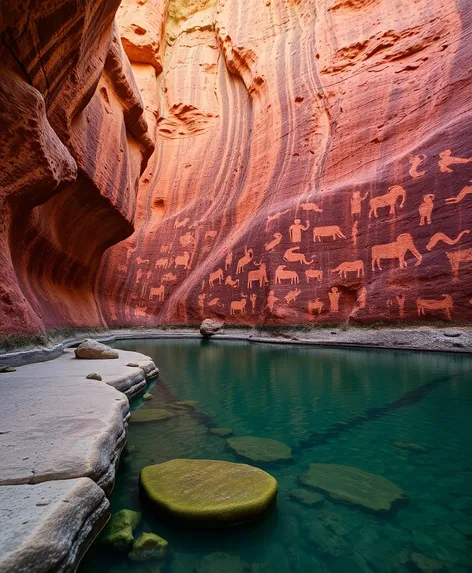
(147, 396)
(94, 376)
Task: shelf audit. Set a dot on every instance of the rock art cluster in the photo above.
(312, 162)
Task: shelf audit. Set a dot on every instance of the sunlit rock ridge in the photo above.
(312, 162)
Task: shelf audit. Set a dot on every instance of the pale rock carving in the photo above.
(415, 163)
(216, 276)
(396, 250)
(180, 224)
(259, 275)
(467, 190)
(140, 261)
(291, 256)
(355, 232)
(182, 260)
(446, 304)
(388, 200)
(458, 257)
(356, 203)
(253, 299)
(238, 305)
(332, 231)
(159, 292)
(401, 299)
(295, 230)
(333, 296)
(313, 274)
(162, 263)
(311, 207)
(361, 298)
(350, 267)
(270, 245)
(446, 159)
(211, 235)
(438, 237)
(201, 302)
(275, 217)
(169, 278)
(229, 282)
(271, 300)
(215, 302)
(228, 260)
(315, 306)
(244, 260)
(426, 209)
(282, 275)
(165, 248)
(187, 240)
(292, 295)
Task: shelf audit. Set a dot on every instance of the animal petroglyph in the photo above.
(238, 306)
(166, 248)
(228, 260)
(275, 217)
(211, 235)
(271, 300)
(350, 267)
(438, 237)
(292, 295)
(180, 224)
(159, 292)
(229, 282)
(446, 159)
(458, 257)
(388, 200)
(333, 296)
(244, 260)
(169, 278)
(356, 203)
(270, 245)
(291, 256)
(315, 306)
(216, 276)
(446, 304)
(311, 207)
(295, 230)
(215, 302)
(187, 240)
(426, 209)
(396, 250)
(182, 260)
(313, 274)
(332, 231)
(140, 261)
(415, 163)
(467, 190)
(259, 275)
(253, 299)
(162, 263)
(282, 275)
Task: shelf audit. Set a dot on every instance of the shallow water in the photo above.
(332, 406)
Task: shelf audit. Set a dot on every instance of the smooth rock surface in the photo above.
(260, 449)
(210, 326)
(207, 493)
(93, 350)
(352, 486)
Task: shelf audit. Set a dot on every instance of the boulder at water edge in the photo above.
(119, 531)
(92, 349)
(260, 449)
(148, 546)
(211, 326)
(208, 493)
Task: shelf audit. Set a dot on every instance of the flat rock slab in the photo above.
(307, 498)
(352, 486)
(260, 449)
(47, 527)
(150, 415)
(208, 493)
(411, 447)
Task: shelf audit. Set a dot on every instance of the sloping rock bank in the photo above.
(61, 437)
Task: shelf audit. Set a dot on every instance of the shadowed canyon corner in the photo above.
(279, 162)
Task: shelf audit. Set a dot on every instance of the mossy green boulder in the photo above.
(148, 546)
(263, 450)
(119, 531)
(150, 415)
(208, 493)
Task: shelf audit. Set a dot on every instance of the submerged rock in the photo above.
(307, 498)
(208, 493)
(211, 326)
(187, 403)
(94, 376)
(223, 432)
(425, 564)
(222, 562)
(148, 546)
(147, 396)
(92, 349)
(353, 486)
(411, 447)
(150, 415)
(260, 449)
(119, 531)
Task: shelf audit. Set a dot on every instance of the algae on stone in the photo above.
(150, 415)
(147, 396)
(119, 531)
(260, 449)
(148, 546)
(208, 493)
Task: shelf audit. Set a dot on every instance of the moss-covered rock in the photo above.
(148, 546)
(208, 493)
(222, 432)
(94, 376)
(147, 396)
(150, 415)
(119, 531)
(260, 449)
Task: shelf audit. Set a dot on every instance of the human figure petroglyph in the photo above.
(162, 263)
(275, 217)
(229, 282)
(315, 306)
(180, 224)
(311, 207)
(361, 300)
(426, 209)
(396, 250)
(259, 275)
(356, 203)
(313, 274)
(415, 162)
(238, 305)
(270, 245)
(292, 295)
(159, 292)
(228, 260)
(253, 299)
(291, 256)
(182, 260)
(271, 300)
(282, 275)
(333, 296)
(201, 302)
(187, 240)
(216, 276)
(446, 304)
(446, 159)
(467, 190)
(295, 230)
(438, 237)
(169, 278)
(401, 299)
(355, 232)
(244, 260)
(332, 231)
(388, 200)
(458, 257)
(350, 267)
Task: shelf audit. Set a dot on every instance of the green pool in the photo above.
(402, 415)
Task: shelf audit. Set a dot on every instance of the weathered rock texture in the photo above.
(313, 162)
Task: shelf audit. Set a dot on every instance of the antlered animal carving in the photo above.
(275, 217)
(179, 224)
(292, 295)
(270, 245)
(396, 250)
(315, 306)
(244, 260)
(162, 263)
(260, 275)
(388, 200)
(159, 292)
(464, 256)
(228, 260)
(282, 275)
(238, 306)
(426, 209)
(182, 260)
(354, 267)
(291, 256)
(313, 274)
(187, 240)
(216, 276)
(332, 231)
(311, 207)
(437, 237)
(446, 304)
(467, 190)
(229, 282)
(169, 278)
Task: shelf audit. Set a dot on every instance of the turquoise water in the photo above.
(332, 406)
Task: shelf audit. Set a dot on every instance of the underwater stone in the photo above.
(119, 531)
(147, 396)
(150, 415)
(94, 376)
(353, 486)
(208, 493)
(307, 498)
(187, 403)
(92, 349)
(425, 564)
(219, 562)
(223, 432)
(411, 447)
(148, 546)
(260, 449)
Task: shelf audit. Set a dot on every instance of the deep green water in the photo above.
(330, 405)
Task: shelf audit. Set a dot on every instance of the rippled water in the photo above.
(330, 405)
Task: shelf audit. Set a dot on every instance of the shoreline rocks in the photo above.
(91, 349)
(210, 326)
